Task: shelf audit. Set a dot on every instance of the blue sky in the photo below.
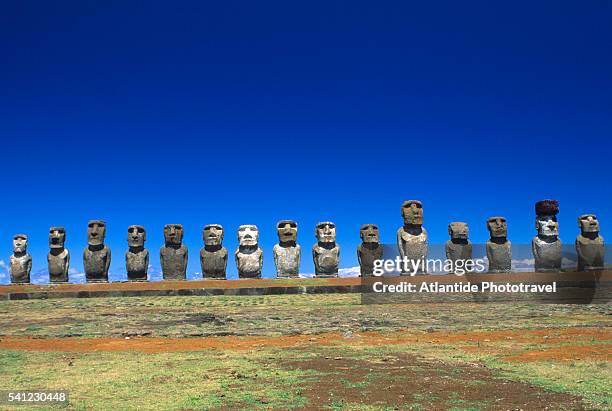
(252, 112)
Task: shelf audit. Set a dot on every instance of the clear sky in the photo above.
(240, 112)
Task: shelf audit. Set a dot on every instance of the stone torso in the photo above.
(499, 256)
(590, 253)
(213, 263)
(414, 247)
(287, 260)
(457, 251)
(95, 263)
(547, 255)
(249, 264)
(58, 266)
(326, 260)
(20, 268)
(137, 264)
(367, 256)
(174, 262)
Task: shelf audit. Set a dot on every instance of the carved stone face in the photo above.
(20, 243)
(57, 237)
(369, 233)
(412, 211)
(547, 225)
(137, 236)
(326, 232)
(212, 234)
(173, 234)
(286, 230)
(497, 226)
(248, 235)
(588, 223)
(458, 231)
(96, 231)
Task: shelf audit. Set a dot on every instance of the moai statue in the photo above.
(137, 256)
(459, 247)
(546, 246)
(58, 259)
(174, 254)
(213, 256)
(97, 256)
(287, 252)
(21, 260)
(249, 256)
(589, 244)
(326, 253)
(499, 248)
(412, 238)
(370, 248)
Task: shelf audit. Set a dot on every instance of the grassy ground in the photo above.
(308, 352)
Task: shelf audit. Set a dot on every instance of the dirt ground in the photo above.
(566, 352)
(434, 385)
(309, 352)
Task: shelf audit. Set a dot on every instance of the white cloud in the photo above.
(349, 272)
(40, 276)
(525, 264)
(4, 272)
(342, 272)
(76, 276)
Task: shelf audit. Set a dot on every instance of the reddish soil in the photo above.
(403, 380)
(597, 352)
(478, 339)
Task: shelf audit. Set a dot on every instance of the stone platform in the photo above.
(578, 280)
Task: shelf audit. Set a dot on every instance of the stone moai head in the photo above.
(96, 232)
(173, 234)
(20, 243)
(212, 234)
(287, 231)
(412, 211)
(57, 237)
(137, 235)
(248, 235)
(326, 232)
(588, 223)
(369, 233)
(458, 230)
(546, 218)
(497, 226)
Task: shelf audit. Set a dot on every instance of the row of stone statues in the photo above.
(546, 245)
(412, 242)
